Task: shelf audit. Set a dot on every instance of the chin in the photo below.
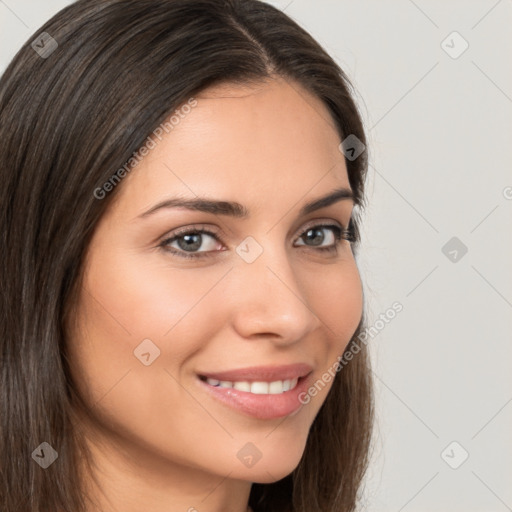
(270, 477)
(273, 469)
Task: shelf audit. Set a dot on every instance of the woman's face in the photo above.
(266, 295)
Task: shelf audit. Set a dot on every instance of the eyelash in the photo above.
(339, 233)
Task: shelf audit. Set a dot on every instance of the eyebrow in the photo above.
(237, 210)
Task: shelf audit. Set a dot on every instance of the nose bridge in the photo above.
(269, 298)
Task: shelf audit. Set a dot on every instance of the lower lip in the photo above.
(264, 407)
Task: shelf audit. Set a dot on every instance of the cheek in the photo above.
(126, 301)
(141, 300)
(336, 297)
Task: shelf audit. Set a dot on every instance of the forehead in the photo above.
(268, 138)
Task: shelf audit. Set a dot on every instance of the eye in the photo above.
(190, 240)
(316, 238)
(198, 242)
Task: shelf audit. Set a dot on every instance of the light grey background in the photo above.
(440, 132)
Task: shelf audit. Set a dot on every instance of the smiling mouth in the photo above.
(263, 392)
(276, 387)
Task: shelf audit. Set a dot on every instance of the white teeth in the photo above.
(242, 386)
(258, 388)
(274, 388)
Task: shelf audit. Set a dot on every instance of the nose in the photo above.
(267, 300)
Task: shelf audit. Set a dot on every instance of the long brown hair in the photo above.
(68, 120)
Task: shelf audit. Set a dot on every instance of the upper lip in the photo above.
(261, 373)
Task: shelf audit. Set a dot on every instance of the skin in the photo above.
(160, 442)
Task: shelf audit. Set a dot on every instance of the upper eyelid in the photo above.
(179, 232)
(322, 223)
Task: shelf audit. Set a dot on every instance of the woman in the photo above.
(181, 181)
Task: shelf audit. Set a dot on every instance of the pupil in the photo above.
(315, 239)
(190, 238)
